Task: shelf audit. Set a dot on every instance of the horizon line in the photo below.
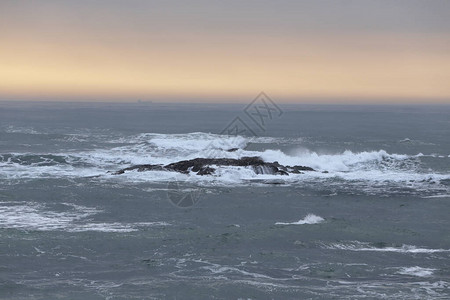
(282, 100)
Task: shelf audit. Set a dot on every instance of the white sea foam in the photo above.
(32, 216)
(438, 196)
(339, 162)
(196, 141)
(362, 246)
(18, 171)
(150, 148)
(25, 130)
(115, 227)
(309, 219)
(416, 271)
(218, 269)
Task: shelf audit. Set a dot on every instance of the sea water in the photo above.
(372, 221)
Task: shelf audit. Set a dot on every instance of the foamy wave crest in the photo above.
(341, 162)
(362, 246)
(151, 148)
(416, 271)
(196, 141)
(371, 166)
(309, 219)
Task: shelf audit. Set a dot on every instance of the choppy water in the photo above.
(374, 225)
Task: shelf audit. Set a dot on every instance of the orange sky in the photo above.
(56, 59)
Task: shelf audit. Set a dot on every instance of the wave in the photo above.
(30, 159)
(35, 217)
(23, 130)
(416, 271)
(362, 246)
(309, 219)
(115, 227)
(197, 141)
(207, 145)
(438, 196)
(402, 170)
(167, 148)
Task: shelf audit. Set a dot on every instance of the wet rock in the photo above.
(206, 166)
(206, 171)
(141, 168)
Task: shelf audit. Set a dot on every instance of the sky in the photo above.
(296, 51)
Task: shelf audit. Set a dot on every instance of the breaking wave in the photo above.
(309, 219)
(151, 148)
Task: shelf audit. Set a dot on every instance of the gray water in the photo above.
(371, 222)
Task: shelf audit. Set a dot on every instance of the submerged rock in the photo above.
(207, 166)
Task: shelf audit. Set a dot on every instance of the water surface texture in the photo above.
(372, 222)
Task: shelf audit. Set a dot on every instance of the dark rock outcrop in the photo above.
(206, 166)
(141, 168)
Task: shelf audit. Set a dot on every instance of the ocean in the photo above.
(370, 222)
